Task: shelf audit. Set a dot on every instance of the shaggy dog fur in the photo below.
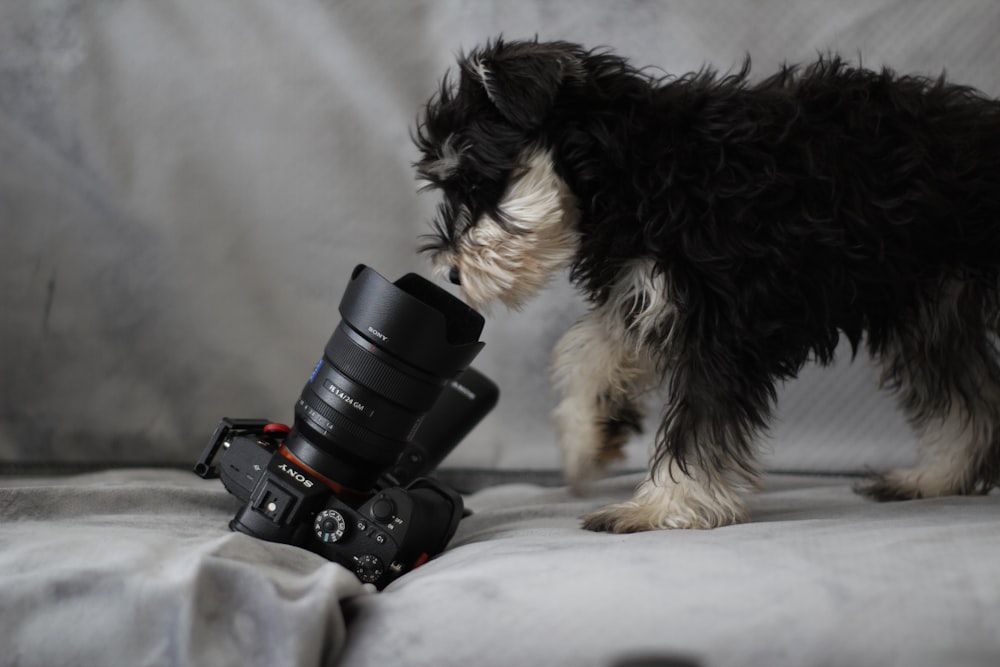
(725, 232)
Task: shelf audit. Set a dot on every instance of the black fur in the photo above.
(823, 200)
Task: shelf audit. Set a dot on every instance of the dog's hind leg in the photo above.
(947, 377)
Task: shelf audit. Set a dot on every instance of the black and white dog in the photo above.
(725, 232)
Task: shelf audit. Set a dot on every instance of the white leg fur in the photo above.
(591, 367)
(599, 365)
(950, 449)
(958, 437)
(671, 499)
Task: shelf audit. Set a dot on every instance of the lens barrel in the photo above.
(383, 369)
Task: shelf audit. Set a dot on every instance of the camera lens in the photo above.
(384, 367)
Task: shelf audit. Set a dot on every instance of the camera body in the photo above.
(390, 398)
(391, 532)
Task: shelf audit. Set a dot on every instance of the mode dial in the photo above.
(329, 526)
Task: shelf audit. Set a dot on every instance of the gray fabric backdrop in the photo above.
(185, 187)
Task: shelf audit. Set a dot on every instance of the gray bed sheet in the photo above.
(137, 567)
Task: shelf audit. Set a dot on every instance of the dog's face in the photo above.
(507, 220)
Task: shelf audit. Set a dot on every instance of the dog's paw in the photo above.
(631, 517)
(914, 483)
(588, 458)
(668, 507)
(581, 470)
(884, 487)
(584, 456)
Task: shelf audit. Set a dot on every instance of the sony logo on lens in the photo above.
(378, 334)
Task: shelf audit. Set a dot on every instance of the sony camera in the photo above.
(391, 396)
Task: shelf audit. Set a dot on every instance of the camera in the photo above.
(391, 396)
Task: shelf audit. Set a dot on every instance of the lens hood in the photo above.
(413, 319)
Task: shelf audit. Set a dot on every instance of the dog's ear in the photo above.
(522, 79)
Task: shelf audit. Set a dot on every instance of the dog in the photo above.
(724, 233)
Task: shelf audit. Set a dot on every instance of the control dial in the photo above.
(368, 567)
(329, 526)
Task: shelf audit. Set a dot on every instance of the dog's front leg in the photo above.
(705, 452)
(601, 373)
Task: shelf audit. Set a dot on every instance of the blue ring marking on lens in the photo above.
(319, 365)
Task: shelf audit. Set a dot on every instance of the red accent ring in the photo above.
(336, 488)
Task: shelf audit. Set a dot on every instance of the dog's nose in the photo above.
(455, 276)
